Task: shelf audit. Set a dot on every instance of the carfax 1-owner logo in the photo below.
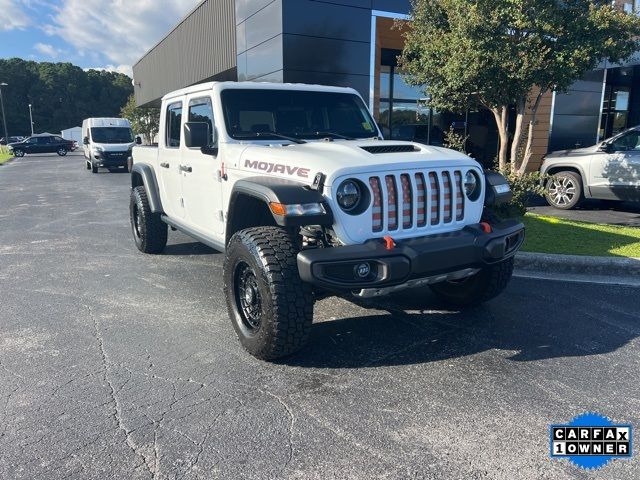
(591, 441)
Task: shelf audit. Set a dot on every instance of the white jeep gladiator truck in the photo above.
(296, 186)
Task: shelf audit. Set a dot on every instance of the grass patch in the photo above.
(555, 235)
(4, 155)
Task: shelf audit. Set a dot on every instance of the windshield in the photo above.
(298, 114)
(111, 135)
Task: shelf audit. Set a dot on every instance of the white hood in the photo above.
(301, 162)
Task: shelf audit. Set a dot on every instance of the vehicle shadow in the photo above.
(404, 333)
(189, 248)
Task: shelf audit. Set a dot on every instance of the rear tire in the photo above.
(270, 307)
(149, 231)
(485, 285)
(564, 190)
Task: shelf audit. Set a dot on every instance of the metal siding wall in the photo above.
(328, 43)
(577, 114)
(202, 46)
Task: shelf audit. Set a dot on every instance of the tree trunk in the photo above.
(501, 114)
(517, 135)
(522, 169)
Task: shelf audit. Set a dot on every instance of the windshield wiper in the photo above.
(327, 134)
(270, 134)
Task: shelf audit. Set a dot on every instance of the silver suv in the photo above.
(607, 171)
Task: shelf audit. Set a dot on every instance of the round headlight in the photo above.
(348, 195)
(472, 185)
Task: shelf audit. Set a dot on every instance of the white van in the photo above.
(107, 143)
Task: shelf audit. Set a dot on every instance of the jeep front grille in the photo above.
(406, 201)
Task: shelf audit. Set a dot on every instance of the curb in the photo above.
(578, 265)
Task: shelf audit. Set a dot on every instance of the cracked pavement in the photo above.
(116, 365)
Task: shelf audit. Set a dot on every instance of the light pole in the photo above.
(4, 118)
(31, 119)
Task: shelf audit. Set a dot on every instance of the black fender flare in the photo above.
(493, 197)
(287, 192)
(144, 174)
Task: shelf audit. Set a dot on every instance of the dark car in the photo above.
(419, 133)
(42, 144)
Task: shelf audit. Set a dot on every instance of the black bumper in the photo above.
(107, 160)
(342, 268)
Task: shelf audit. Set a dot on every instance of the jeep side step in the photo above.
(208, 241)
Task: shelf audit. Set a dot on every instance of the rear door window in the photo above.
(173, 123)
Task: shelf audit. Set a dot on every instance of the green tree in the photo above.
(500, 54)
(62, 94)
(144, 121)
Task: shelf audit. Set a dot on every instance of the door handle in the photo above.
(186, 169)
(164, 165)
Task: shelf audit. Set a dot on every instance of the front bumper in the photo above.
(111, 160)
(372, 265)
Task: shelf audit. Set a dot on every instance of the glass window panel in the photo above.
(201, 110)
(173, 121)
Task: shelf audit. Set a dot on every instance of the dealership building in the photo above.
(356, 43)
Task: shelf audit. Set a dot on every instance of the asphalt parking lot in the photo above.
(595, 211)
(116, 365)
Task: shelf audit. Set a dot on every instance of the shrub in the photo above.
(455, 141)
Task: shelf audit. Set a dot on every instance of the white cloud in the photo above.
(14, 16)
(47, 50)
(120, 31)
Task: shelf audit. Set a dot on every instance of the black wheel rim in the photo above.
(137, 221)
(247, 296)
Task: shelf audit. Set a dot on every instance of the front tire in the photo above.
(149, 231)
(270, 307)
(18, 153)
(62, 152)
(88, 165)
(94, 168)
(564, 190)
(485, 285)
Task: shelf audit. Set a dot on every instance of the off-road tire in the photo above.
(149, 231)
(285, 302)
(573, 181)
(485, 285)
(94, 168)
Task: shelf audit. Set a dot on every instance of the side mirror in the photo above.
(605, 147)
(85, 141)
(138, 140)
(196, 134)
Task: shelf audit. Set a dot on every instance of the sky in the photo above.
(102, 34)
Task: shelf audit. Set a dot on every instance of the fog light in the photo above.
(362, 270)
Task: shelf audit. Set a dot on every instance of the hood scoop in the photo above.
(378, 149)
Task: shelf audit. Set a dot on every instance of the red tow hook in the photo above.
(390, 244)
(486, 228)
